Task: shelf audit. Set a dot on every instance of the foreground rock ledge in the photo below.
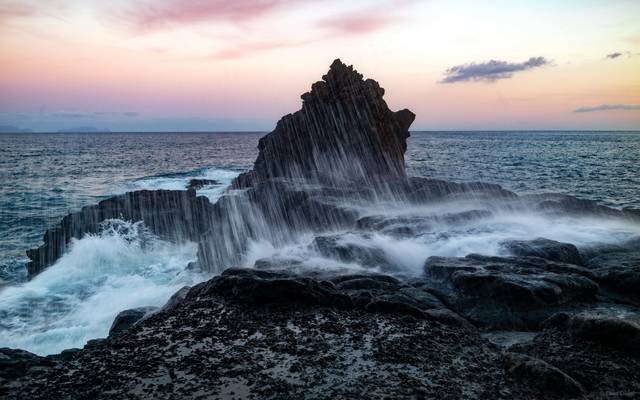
(258, 334)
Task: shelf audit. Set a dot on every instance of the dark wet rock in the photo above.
(343, 127)
(378, 278)
(344, 249)
(544, 248)
(542, 375)
(94, 343)
(68, 354)
(272, 334)
(278, 263)
(619, 271)
(425, 190)
(410, 225)
(373, 293)
(602, 370)
(366, 283)
(260, 287)
(507, 339)
(198, 184)
(615, 326)
(176, 298)
(596, 249)
(15, 363)
(570, 205)
(170, 214)
(509, 292)
(125, 319)
(611, 331)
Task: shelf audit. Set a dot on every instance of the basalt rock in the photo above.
(173, 215)
(200, 183)
(340, 248)
(214, 344)
(563, 204)
(619, 271)
(344, 129)
(510, 292)
(542, 374)
(127, 318)
(545, 248)
(15, 363)
(270, 334)
(616, 327)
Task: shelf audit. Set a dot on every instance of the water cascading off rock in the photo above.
(343, 130)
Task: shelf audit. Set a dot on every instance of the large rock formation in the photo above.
(344, 130)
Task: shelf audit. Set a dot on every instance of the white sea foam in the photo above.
(480, 235)
(77, 298)
(179, 181)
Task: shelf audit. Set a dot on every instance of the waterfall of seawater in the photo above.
(382, 231)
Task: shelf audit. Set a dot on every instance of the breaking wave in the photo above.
(77, 298)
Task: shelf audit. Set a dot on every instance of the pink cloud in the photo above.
(360, 22)
(245, 49)
(152, 15)
(354, 23)
(366, 20)
(11, 10)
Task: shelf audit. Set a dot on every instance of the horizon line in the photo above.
(267, 131)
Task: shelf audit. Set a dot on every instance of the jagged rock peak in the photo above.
(344, 130)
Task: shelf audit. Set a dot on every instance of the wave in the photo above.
(77, 298)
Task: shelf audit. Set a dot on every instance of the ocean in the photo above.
(45, 176)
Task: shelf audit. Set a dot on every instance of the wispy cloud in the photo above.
(96, 114)
(129, 114)
(362, 21)
(11, 9)
(618, 54)
(608, 107)
(250, 48)
(490, 71)
(158, 14)
(68, 115)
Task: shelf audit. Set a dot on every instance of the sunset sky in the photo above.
(185, 65)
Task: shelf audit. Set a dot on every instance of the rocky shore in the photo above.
(544, 319)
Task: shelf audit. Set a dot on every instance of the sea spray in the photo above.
(398, 239)
(76, 299)
(180, 181)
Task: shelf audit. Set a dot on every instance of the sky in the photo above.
(195, 65)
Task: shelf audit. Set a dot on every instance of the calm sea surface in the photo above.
(44, 176)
